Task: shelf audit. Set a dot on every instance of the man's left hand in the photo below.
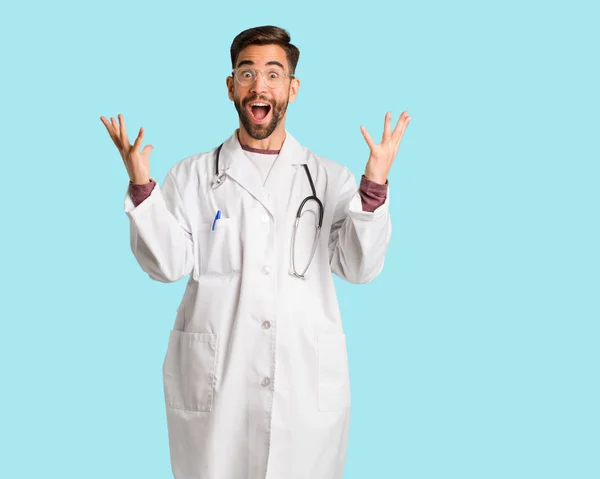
(382, 155)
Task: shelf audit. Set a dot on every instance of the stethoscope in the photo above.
(220, 178)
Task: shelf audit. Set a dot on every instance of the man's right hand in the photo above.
(137, 163)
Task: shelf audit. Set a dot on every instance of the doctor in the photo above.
(255, 375)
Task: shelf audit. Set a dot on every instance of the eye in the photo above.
(246, 73)
(274, 74)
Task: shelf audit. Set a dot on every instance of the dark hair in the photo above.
(266, 35)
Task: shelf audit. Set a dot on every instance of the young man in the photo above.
(256, 373)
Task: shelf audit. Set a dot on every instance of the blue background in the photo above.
(473, 355)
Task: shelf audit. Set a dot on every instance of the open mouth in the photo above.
(259, 111)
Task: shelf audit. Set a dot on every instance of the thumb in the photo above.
(147, 150)
(367, 137)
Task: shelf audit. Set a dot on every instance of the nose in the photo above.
(259, 85)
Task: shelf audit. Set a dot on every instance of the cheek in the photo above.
(235, 96)
(239, 94)
(282, 98)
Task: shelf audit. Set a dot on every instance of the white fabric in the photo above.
(263, 162)
(256, 375)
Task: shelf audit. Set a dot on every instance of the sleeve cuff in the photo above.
(140, 192)
(372, 194)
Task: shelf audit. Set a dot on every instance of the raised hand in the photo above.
(382, 155)
(137, 163)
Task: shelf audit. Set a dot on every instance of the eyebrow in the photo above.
(250, 62)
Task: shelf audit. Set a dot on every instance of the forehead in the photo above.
(260, 55)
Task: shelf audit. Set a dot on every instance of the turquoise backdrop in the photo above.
(474, 355)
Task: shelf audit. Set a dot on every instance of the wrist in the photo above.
(140, 181)
(379, 179)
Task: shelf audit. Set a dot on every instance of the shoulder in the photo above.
(192, 169)
(189, 165)
(332, 169)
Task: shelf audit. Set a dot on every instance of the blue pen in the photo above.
(217, 216)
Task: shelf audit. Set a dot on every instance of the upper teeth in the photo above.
(259, 104)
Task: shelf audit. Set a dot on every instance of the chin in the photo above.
(259, 132)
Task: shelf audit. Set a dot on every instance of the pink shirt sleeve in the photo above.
(372, 194)
(140, 192)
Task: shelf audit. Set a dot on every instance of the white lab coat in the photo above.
(256, 375)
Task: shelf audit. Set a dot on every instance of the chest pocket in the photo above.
(219, 251)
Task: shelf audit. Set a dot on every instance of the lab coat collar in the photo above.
(291, 152)
(233, 163)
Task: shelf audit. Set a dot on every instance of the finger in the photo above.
(401, 125)
(146, 152)
(108, 127)
(400, 136)
(367, 137)
(111, 131)
(138, 141)
(116, 127)
(123, 132)
(401, 121)
(387, 126)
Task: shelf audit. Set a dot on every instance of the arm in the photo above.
(358, 239)
(160, 233)
(360, 234)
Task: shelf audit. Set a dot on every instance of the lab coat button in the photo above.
(265, 382)
(266, 325)
(265, 218)
(266, 270)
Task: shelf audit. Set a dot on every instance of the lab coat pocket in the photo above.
(219, 250)
(189, 370)
(333, 377)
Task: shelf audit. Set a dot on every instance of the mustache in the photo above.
(257, 98)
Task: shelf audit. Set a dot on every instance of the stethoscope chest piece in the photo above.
(218, 181)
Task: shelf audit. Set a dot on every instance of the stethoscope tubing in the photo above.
(293, 271)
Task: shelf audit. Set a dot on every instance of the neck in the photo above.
(273, 142)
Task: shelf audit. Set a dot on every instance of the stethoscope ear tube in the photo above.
(219, 177)
(217, 160)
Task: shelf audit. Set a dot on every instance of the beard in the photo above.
(260, 132)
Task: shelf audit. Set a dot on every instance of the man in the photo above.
(256, 374)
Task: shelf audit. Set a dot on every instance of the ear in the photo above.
(294, 87)
(229, 82)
